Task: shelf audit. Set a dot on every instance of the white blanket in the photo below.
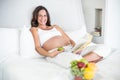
(39, 69)
(33, 69)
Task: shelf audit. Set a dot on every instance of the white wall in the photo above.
(112, 25)
(89, 7)
(66, 13)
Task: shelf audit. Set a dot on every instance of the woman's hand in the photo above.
(72, 43)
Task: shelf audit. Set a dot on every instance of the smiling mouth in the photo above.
(43, 22)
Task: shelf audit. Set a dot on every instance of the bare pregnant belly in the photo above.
(54, 42)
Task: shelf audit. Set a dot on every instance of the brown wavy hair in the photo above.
(34, 22)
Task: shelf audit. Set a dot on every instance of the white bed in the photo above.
(17, 68)
(108, 69)
(32, 69)
(19, 61)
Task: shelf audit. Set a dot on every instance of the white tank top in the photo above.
(44, 35)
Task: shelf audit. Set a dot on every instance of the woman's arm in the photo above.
(65, 35)
(38, 47)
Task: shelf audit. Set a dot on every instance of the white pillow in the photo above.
(9, 42)
(27, 47)
(77, 34)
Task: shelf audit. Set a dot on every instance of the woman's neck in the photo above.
(44, 27)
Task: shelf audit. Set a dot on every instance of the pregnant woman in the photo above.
(48, 38)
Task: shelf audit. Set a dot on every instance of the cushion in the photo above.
(77, 34)
(27, 47)
(9, 43)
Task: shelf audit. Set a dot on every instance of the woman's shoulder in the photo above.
(32, 29)
(56, 26)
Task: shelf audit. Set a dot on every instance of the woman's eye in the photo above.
(45, 15)
(39, 15)
(42, 16)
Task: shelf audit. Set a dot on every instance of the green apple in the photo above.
(84, 61)
(60, 49)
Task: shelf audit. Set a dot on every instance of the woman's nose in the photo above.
(42, 17)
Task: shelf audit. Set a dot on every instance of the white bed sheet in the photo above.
(39, 69)
(33, 69)
(109, 68)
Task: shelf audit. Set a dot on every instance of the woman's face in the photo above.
(42, 17)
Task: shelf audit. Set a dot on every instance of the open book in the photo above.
(82, 43)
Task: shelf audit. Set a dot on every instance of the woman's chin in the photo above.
(43, 24)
